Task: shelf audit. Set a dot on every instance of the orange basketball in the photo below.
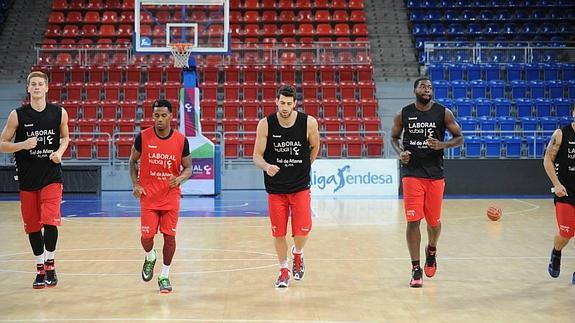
(494, 213)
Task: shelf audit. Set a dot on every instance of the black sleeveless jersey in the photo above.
(34, 167)
(565, 164)
(288, 148)
(417, 126)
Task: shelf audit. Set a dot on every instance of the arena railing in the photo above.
(316, 53)
(497, 52)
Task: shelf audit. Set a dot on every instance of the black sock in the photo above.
(415, 263)
(556, 252)
(36, 242)
(430, 248)
(50, 237)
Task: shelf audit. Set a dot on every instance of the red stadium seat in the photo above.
(56, 17)
(340, 16)
(72, 108)
(124, 147)
(84, 148)
(128, 109)
(109, 108)
(92, 17)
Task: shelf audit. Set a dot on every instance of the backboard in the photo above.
(203, 23)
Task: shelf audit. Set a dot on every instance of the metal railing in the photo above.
(496, 52)
(531, 144)
(316, 53)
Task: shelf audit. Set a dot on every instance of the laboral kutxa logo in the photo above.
(347, 176)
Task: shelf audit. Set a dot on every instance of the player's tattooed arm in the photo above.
(549, 162)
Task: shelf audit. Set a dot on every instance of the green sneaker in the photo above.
(148, 268)
(164, 284)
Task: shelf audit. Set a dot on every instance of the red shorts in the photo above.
(422, 198)
(41, 207)
(166, 220)
(299, 204)
(565, 214)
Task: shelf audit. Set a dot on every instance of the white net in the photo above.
(181, 53)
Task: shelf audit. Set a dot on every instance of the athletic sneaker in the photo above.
(148, 268)
(416, 277)
(51, 277)
(39, 282)
(430, 262)
(554, 267)
(164, 284)
(283, 279)
(298, 267)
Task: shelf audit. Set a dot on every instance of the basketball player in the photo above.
(165, 163)
(559, 163)
(422, 125)
(287, 143)
(40, 133)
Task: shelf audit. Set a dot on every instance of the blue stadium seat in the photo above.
(529, 126)
(492, 147)
(478, 89)
(532, 72)
(437, 29)
(486, 15)
(502, 107)
(537, 89)
(562, 106)
(483, 107)
(440, 89)
(535, 146)
(487, 126)
(448, 103)
(510, 28)
(548, 124)
(564, 121)
(571, 89)
(474, 71)
(437, 72)
(496, 89)
(455, 71)
(514, 72)
(542, 107)
(524, 107)
(555, 89)
(550, 71)
(503, 14)
(474, 29)
(492, 72)
(464, 106)
(417, 16)
(459, 89)
(512, 146)
(468, 125)
(518, 89)
(506, 125)
(456, 29)
(420, 29)
(451, 15)
(472, 147)
(567, 71)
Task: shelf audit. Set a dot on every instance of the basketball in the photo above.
(494, 213)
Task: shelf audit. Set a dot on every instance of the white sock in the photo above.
(151, 256)
(39, 259)
(284, 264)
(50, 255)
(165, 271)
(295, 251)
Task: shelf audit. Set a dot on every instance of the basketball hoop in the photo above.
(181, 52)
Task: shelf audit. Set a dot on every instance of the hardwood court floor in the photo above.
(356, 260)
